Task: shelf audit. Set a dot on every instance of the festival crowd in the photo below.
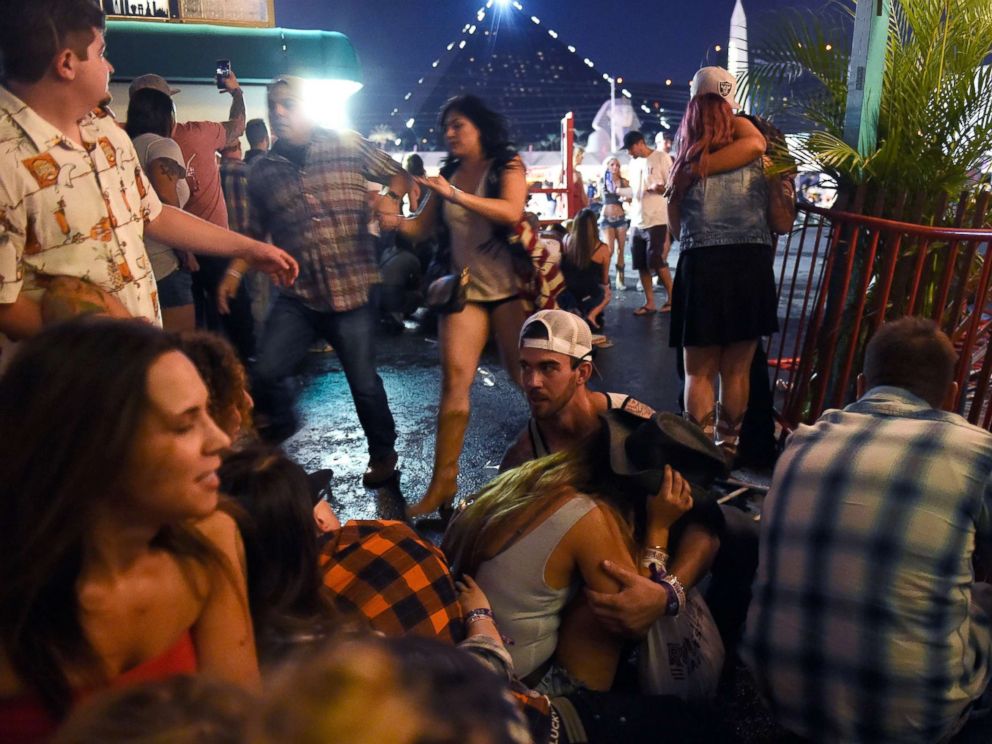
(169, 574)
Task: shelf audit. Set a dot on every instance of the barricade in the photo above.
(841, 275)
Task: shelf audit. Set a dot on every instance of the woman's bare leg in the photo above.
(506, 320)
(461, 339)
(735, 389)
(702, 365)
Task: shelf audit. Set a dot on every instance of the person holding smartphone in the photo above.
(200, 141)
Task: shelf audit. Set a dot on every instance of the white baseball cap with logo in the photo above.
(715, 80)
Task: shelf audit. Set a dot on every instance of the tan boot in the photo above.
(728, 434)
(708, 424)
(621, 285)
(447, 449)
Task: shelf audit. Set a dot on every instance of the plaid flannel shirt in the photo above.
(234, 184)
(863, 626)
(401, 583)
(320, 215)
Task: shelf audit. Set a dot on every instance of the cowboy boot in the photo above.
(708, 424)
(728, 434)
(447, 449)
(620, 282)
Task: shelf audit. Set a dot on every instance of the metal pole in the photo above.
(613, 114)
(864, 75)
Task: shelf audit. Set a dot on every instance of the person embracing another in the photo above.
(724, 296)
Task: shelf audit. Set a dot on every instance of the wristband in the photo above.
(455, 191)
(656, 555)
(678, 604)
(235, 273)
(478, 614)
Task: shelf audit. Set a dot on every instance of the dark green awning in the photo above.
(187, 52)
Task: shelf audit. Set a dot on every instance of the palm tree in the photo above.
(934, 133)
(935, 117)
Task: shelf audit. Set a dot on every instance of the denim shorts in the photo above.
(615, 222)
(175, 290)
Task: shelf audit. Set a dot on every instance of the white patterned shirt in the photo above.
(67, 210)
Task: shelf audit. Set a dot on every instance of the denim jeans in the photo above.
(290, 329)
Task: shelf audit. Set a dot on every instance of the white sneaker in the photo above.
(640, 286)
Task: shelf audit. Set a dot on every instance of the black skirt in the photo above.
(723, 294)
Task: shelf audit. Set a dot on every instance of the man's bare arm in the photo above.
(183, 231)
(748, 145)
(236, 118)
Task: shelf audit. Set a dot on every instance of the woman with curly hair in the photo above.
(483, 191)
(230, 404)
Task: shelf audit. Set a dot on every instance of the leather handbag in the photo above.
(781, 203)
(447, 294)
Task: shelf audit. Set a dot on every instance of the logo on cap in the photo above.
(725, 88)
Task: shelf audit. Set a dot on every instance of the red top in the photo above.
(23, 720)
(200, 141)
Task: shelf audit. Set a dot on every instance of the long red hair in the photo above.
(708, 125)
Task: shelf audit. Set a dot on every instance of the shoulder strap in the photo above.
(537, 442)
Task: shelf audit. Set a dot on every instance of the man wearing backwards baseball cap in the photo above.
(556, 364)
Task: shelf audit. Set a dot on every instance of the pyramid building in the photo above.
(522, 68)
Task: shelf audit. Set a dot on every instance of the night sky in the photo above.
(396, 40)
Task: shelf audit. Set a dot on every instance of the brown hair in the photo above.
(913, 354)
(71, 403)
(224, 375)
(35, 32)
(707, 126)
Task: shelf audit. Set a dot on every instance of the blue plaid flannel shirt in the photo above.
(863, 626)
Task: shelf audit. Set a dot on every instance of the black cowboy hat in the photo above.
(641, 448)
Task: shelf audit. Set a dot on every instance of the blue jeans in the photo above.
(290, 329)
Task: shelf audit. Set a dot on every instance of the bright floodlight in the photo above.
(326, 101)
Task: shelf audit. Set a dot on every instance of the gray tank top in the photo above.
(491, 275)
(526, 608)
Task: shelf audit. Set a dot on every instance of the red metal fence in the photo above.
(841, 275)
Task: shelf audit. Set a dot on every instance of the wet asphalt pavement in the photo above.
(639, 363)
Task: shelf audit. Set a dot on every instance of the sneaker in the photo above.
(380, 471)
(640, 286)
(620, 284)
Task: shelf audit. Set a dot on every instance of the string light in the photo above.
(470, 29)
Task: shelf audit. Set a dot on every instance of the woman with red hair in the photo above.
(724, 296)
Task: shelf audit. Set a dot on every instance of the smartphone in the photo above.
(223, 71)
